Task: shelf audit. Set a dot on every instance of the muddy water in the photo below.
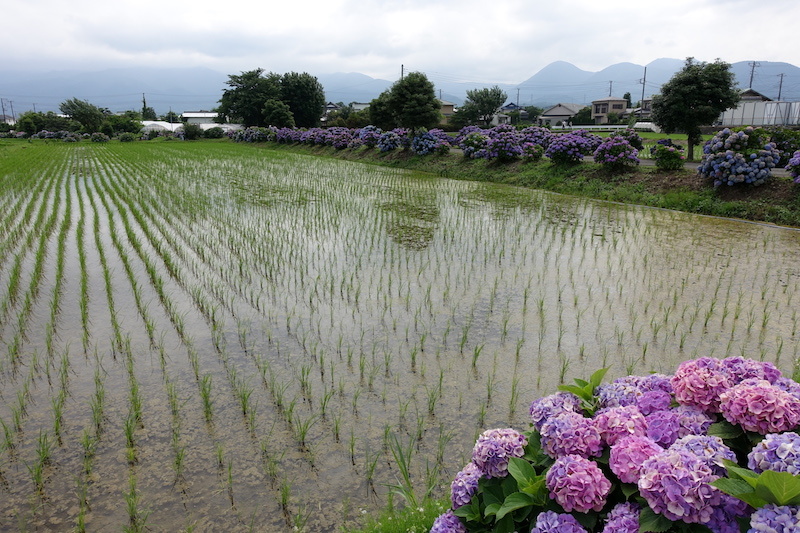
(235, 338)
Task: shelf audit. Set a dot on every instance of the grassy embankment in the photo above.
(776, 202)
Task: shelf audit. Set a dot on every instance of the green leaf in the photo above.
(597, 378)
(506, 525)
(581, 383)
(515, 501)
(650, 521)
(629, 489)
(491, 509)
(521, 470)
(781, 488)
(725, 430)
(577, 391)
(739, 488)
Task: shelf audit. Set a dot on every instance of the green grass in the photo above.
(407, 520)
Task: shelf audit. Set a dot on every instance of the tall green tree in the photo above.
(695, 96)
(278, 114)
(244, 101)
(305, 96)
(486, 102)
(413, 103)
(380, 111)
(35, 121)
(90, 116)
(148, 113)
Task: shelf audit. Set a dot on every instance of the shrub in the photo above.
(536, 135)
(616, 153)
(668, 156)
(192, 132)
(391, 140)
(473, 144)
(504, 145)
(569, 148)
(214, 133)
(98, 137)
(370, 135)
(434, 141)
(732, 157)
(253, 135)
(642, 454)
(633, 138)
(532, 152)
(787, 140)
(127, 137)
(793, 166)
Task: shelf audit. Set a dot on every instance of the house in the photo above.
(644, 111)
(602, 108)
(559, 113)
(446, 109)
(7, 119)
(330, 107)
(359, 106)
(751, 95)
(199, 117)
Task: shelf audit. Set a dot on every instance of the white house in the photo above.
(559, 113)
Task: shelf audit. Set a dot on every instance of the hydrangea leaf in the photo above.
(781, 488)
(649, 521)
(739, 488)
(725, 430)
(521, 470)
(515, 501)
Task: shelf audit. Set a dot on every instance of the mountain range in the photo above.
(193, 89)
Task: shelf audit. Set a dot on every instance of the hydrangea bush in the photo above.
(732, 157)
(793, 167)
(713, 447)
(667, 155)
(433, 141)
(569, 148)
(616, 153)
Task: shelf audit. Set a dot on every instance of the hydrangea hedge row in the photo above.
(501, 143)
(713, 447)
(793, 167)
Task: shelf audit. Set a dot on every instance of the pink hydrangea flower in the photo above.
(628, 455)
(576, 483)
(759, 406)
(571, 433)
(699, 382)
(617, 422)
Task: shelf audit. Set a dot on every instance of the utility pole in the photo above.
(3, 106)
(401, 71)
(643, 81)
(610, 85)
(753, 65)
(13, 116)
(780, 86)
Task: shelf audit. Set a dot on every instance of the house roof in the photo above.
(569, 108)
(199, 114)
(609, 99)
(751, 94)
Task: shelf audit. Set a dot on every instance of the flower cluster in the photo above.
(668, 156)
(738, 157)
(369, 136)
(494, 448)
(448, 523)
(568, 148)
(777, 452)
(98, 137)
(577, 483)
(793, 166)
(633, 138)
(252, 135)
(615, 153)
(645, 439)
(434, 141)
(552, 522)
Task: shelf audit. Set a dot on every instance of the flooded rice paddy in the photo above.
(219, 337)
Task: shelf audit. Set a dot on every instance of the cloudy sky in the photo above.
(466, 40)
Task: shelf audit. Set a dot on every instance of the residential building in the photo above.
(602, 108)
(199, 117)
(559, 114)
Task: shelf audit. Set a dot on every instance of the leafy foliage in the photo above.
(89, 116)
(484, 103)
(244, 101)
(694, 97)
(305, 97)
(412, 102)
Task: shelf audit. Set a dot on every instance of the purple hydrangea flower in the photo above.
(552, 522)
(788, 385)
(693, 420)
(778, 451)
(623, 518)
(448, 523)
(654, 400)
(576, 483)
(725, 516)
(465, 485)
(617, 422)
(709, 449)
(628, 455)
(571, 433)
(494, 448)
(775, 519)
(759, 406)
(553, 405)
(664, 427)
(676, 483)
(740, 369)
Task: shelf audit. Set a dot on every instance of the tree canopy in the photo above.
(411, 102)
(304, 95)
(90, 116)
(695, 96)
(246, 100)
(485, 102)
